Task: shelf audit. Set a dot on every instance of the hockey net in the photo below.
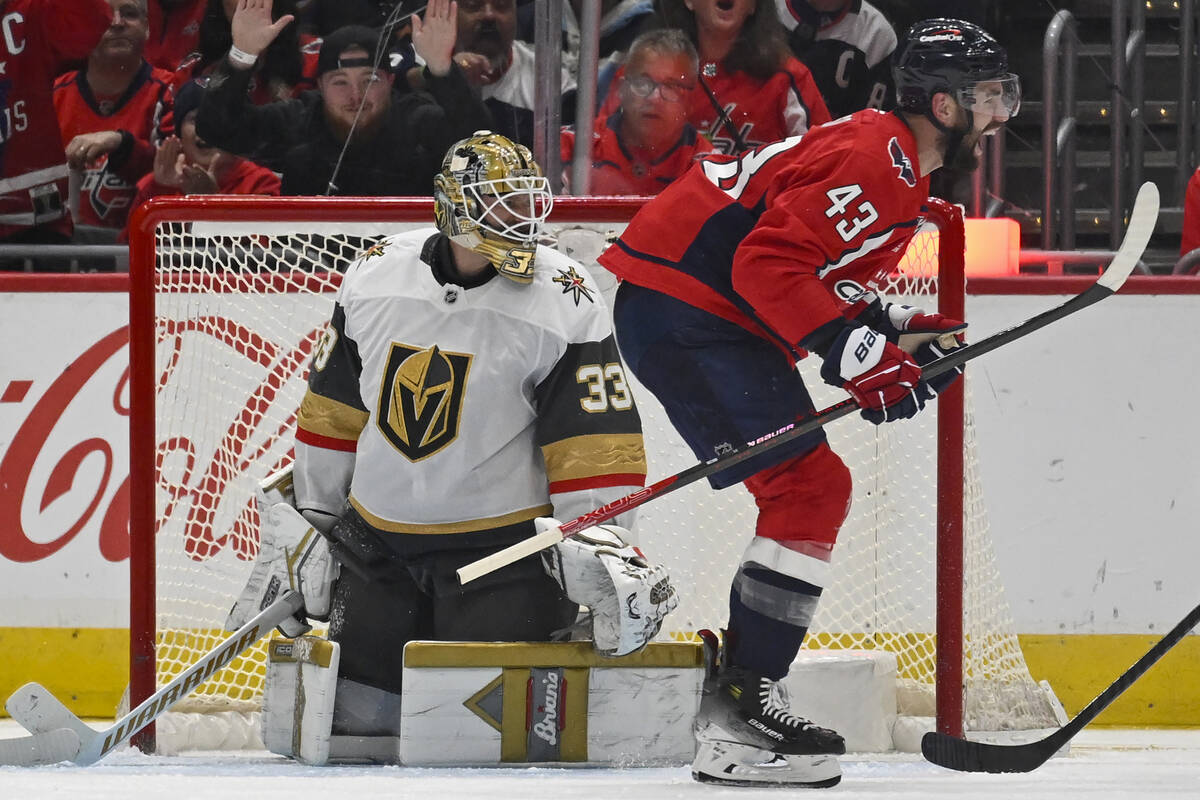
(228, 296)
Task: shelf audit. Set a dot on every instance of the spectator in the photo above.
(621, 21)
(288, 65)
(107, 112)
(647, 142)
(186, 164)
(1191, 216)
(174, 31)
(847, 46)
(502, 67)
(751, 89)
(42, 38)
(353, 136)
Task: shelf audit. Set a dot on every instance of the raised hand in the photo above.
(253, 30)
(168, 162)
(433, 37)
(202, 180)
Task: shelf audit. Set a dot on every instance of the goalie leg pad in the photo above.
(298, 698)
(627, 596)
(291, 555)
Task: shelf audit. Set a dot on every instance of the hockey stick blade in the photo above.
(1141, 224)
(967, 756)
(40, 712)
(39, 749)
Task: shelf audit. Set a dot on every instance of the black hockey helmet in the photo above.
(952, 56)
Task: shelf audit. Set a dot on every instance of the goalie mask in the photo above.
(491, 197)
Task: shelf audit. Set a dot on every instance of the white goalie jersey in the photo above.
(437, 409)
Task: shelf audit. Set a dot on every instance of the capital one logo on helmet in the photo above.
(948, 35)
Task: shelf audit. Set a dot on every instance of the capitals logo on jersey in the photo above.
(420, 401)
(900, 161)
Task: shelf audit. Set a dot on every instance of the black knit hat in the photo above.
(342, 40)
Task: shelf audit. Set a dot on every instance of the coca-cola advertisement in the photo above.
(229, 378)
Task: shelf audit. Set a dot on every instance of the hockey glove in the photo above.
(628, 597)
(291, 554)
(908, 327)
(933, 350)
(883, 379)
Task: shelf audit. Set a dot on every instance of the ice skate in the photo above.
(746, 734)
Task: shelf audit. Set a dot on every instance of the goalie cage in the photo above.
(228, 295)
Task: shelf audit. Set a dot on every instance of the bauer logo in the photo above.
(546, 715)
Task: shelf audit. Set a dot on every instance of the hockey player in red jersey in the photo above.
(107, 113)
(39, 40)
(729, 276)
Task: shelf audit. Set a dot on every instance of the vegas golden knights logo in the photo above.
(420, 402)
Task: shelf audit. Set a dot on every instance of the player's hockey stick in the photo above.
(42, 713)
(1141, 225)
(967, 756)
(41, 748)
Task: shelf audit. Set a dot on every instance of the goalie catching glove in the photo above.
(628, 597)
(291, 554)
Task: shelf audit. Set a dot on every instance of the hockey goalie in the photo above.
(467, 391)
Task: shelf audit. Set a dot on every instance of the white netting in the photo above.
(238, 306)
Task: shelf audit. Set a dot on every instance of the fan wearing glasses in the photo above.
(647, 142)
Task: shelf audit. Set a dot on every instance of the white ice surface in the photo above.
(1106, 764)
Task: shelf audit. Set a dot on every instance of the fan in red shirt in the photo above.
(751, 89)
(648, 142)
(732, 272)
(174, 31)
(186, 164)
(107, 113)
(39, 40)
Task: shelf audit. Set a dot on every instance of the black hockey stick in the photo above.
(1141, 225)
(967, 756)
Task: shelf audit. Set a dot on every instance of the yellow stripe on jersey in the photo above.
(594, 455)
(465, 526)
(326, 417)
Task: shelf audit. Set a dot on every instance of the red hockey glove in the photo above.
(933, 350)
(883, 379)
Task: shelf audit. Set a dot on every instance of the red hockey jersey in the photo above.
(107, 190)
(752, 112)
(174, 31)
(38, 40)
(620, 169)
(779, 240)
(244, 177)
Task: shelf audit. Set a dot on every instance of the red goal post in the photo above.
(207, 250)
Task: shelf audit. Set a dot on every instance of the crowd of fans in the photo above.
(111, 102)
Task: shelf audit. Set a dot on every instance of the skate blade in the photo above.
(748, 766)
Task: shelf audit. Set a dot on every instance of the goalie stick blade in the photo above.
(39, 749)
(36, 708)
(39, 711)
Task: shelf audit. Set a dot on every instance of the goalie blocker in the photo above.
(485, 703)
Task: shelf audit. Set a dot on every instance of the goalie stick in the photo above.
(39, 749)
(967, 756)
(44, 715)
(1141, 224)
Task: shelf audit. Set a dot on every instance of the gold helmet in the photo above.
(491, 197)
